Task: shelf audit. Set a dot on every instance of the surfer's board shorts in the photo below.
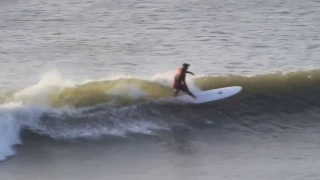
(180, 87)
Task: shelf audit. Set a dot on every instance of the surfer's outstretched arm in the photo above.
(189, 72)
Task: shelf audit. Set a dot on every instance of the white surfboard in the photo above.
(210, 95)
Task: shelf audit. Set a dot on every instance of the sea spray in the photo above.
(41, 92)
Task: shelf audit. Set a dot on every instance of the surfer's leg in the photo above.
(176, 91)
(190, 94)
(186, 90)
(177, 87)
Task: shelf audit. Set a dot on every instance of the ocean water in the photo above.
(86, 87)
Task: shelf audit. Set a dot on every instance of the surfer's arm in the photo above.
(189, 72)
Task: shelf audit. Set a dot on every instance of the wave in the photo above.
(65, 109)
(128, 90)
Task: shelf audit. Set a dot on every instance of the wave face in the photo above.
(64, 109)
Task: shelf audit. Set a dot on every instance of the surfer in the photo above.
(180, 80)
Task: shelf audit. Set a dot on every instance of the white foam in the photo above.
(93, 131)
(9, 135)
(12, 117)
(143, 127)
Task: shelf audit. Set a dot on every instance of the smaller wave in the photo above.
(266, 83)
